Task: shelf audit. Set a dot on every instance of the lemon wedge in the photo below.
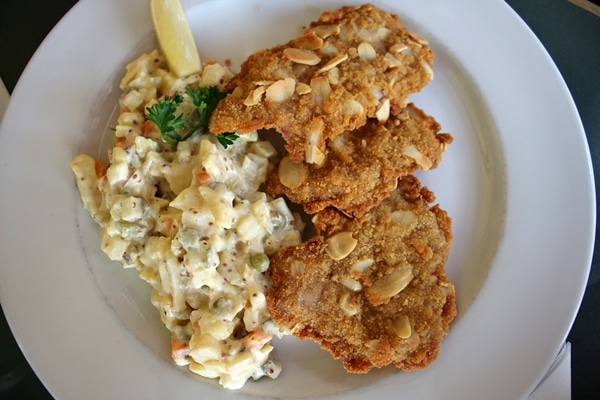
(175, 37)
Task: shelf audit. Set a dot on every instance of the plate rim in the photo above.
(31, 349)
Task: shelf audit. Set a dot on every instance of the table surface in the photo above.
(570, 34)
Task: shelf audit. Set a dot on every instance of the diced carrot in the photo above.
(202, 176)
(178, 345)
(256, 340)
(122, 107)
(148, 127)
(168, 223)
(100, 169)
(179, 351)
(120, 142)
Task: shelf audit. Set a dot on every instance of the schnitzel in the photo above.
(351, 64)
(362, 166)
(372, 291)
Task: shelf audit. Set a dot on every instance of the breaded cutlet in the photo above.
(351, 64)
(385, 300)
(362, 167)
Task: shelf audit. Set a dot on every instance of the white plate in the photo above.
(522, 248)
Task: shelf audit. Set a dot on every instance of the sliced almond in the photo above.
(421, 159)
(324, 31)
(333, 62)
(300, 56)
(315, 134)
(402, 327)
(383, 33)
(391, 60)
(348, 307)
(340, 245)
(389, 285)
(361, 266)
(281, 90)
(309, 41)
(315, 155)
(315, 142)
(398, 48)
(334, 75)
(418, 38)
(427, 68)
(367, 35)
(383, 112)
(237, 92)
(351, 284)
(322, 90)
(328, 49)
(353, 107)
(263, 83)
(303, 88)
(290, 173)
(404, 217)
(255, 96)
(366, 52)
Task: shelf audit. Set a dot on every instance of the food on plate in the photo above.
(181, 198)
(187, 213)
(362, 166)
(351, 64)
(373, 290)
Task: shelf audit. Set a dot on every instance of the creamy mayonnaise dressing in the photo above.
(192, 220)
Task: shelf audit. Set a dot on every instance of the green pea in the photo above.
(259, 261)
(278, 220)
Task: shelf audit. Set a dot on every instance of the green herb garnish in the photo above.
(227, 138)
(163, 114)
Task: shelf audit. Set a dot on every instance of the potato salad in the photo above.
(190, 217)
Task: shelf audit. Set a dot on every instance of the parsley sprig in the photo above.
(164, 115)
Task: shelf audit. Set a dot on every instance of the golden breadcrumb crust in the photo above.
(299, 87)
(318, 298)
(362, 167)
